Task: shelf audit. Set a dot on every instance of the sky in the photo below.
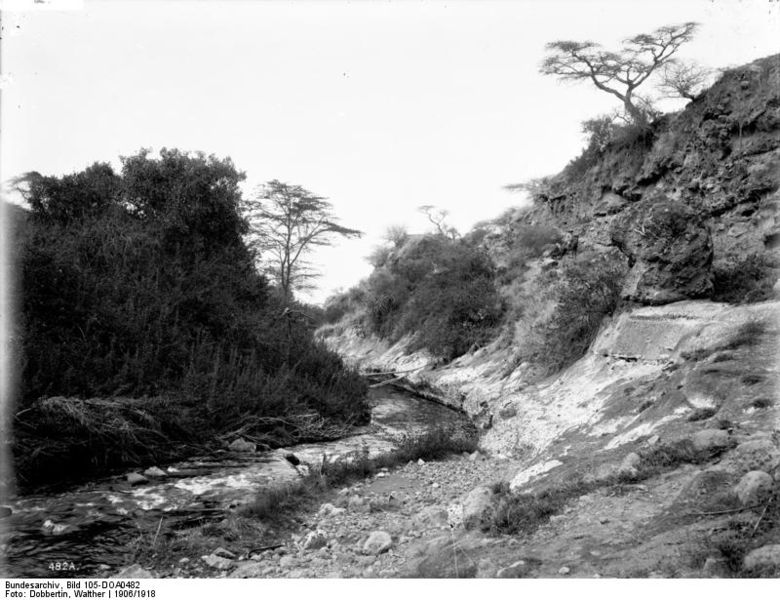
(380, 106)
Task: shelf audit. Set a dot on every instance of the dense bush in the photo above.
(439, 290)
(139, 284)
(584, 293)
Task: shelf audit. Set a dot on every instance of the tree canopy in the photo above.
(618, 73)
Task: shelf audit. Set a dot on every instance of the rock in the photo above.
(292, 459)
(314, 540)
(420, 462)
(135, 479)
(654, 440)
(610, 203)
(378, 542)
(53, 528)
(357, 504)
(248, 570)
(443, 558)
(155, 473)
(475, 504)
(5, 512)
(287, 562)
(435, 485)
(217, 562)
(630, 465)
(430, 516)
(224, 553)
(241, 445)
(753, 487)
(507, 412)
(564, 571)
(475, 455)
(708, 440)
(514, 571)
(756, 455)
(135, 571)
(766, 557)
(669, 249)
(715, 567)
(327, 510)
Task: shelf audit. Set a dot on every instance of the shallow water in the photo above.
(85, 531)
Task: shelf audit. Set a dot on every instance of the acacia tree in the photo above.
(618, 73)
(286, 223)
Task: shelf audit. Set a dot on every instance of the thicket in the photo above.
(437, 289)
(139, 284)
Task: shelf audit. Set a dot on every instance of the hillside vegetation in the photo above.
(681, 208)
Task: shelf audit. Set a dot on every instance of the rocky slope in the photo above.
(660, 446)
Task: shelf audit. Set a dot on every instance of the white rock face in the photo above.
(526, 475)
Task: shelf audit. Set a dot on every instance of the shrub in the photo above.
(584, 294)
(439, 290)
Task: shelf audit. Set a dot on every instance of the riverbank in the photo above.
(110, 523)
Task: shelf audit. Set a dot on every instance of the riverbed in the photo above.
(84, 531)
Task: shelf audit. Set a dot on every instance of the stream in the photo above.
(84, 531)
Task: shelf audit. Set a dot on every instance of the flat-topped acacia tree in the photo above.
(286, 223)
(618, 73)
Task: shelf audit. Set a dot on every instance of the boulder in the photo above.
(630, 465)
(753, 487)
(475, 503)
(135, 571)
(241, 445)
(217, 562)
(610, 203)
(136, 479)
(5, 512)
(248, 570)
(669, 249)
(709, 440)
(756, 455)
(155, 473)
(443, 558)
(430, 516)
(766, 557)
(224, 553)
(327, 510)
(378, 542)
(314, 540)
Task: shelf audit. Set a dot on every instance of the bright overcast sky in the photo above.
(380, 106)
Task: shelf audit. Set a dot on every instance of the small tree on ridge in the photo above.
(618, 73)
